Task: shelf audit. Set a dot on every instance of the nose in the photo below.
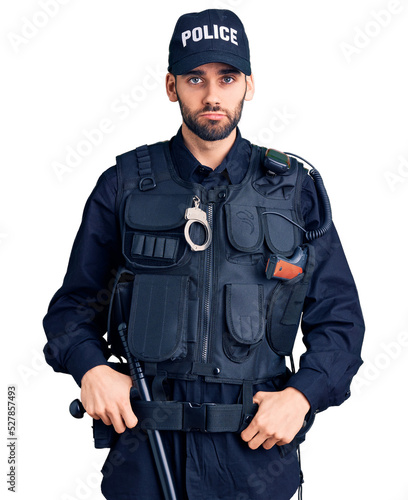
(212, 96)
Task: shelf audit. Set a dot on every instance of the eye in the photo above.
(195, 80)
(228, 79)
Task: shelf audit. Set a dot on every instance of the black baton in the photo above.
(139, 381)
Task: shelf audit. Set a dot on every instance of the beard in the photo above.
(212, 130)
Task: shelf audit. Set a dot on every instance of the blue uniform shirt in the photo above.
(232, 170)
(205, 465)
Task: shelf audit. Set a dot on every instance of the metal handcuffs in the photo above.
(192, 215)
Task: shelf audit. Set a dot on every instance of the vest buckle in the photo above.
(147, 183)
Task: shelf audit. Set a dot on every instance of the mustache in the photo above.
(212, 109)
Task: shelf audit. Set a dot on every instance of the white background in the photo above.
(347, 114)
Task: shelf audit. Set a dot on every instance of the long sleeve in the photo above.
(332, 322)
(77, 315)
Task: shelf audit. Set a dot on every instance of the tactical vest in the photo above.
(211, 313)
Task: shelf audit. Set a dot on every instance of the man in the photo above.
(209, 323)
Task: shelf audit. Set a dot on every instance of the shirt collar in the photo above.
(234, 166)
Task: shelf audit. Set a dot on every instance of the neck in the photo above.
(209, 153)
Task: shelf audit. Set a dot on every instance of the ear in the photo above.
(171, 87)
(250, 88)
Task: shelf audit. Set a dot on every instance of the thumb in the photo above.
(258, 397)
(129, 417)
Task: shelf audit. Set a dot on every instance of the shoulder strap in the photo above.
(126, 168)
(140, 169)
(146, 177)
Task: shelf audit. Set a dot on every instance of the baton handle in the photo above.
(76, 409)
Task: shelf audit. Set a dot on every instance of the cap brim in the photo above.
(209, 56)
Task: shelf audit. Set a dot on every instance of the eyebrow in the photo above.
(197, 72)
(229, 71)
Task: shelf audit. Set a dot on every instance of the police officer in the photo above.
(188, 226)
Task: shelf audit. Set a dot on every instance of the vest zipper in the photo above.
(208, 290)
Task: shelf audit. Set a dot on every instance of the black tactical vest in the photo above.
(210, 313)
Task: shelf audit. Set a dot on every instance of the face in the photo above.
(211, 98)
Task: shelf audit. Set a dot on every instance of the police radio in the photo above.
(276, 162)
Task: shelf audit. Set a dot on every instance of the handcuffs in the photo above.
(192, 215)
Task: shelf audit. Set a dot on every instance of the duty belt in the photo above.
(187, 416)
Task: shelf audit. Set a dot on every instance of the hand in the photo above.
(279, 418)
(105, 394)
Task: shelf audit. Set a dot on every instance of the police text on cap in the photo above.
(198, 33)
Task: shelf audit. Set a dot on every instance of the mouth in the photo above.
(213, 116)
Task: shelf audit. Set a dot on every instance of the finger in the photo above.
(95, 415)
(269, 443)
(104, 417)
(129, 417)
(100, 416)
(248, 433)
(117, 422)
(257, 441)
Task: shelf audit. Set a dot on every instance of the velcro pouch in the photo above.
(248, 228)
(245, 320)
(147, 211)
(154, 229)
(158, 317)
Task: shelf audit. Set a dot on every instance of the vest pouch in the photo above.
(158, 317)
(153, 236)
(285, 309)
(254, 232)
(245, 321)
(281, 235)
